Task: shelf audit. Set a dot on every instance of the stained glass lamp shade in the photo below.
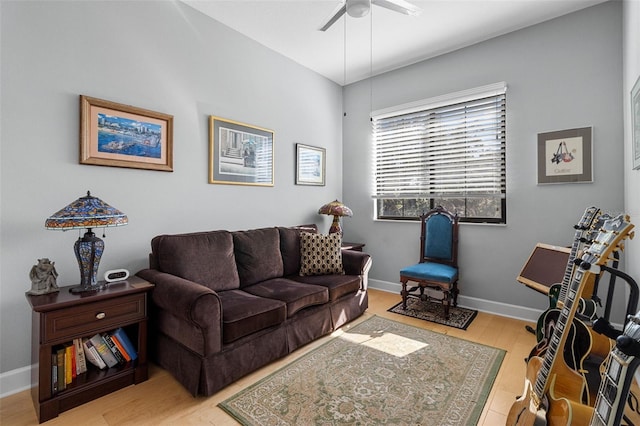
(87, 213)
(335, 209)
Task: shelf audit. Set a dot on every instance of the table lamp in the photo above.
(87, 213)
(335, 209)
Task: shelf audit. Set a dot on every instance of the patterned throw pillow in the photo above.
(320, 254)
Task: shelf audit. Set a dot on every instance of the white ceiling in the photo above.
(290, 28)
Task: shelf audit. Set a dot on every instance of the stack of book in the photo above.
(104, 350)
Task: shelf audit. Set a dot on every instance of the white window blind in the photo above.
(451, 146)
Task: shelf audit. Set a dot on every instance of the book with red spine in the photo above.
(113, 348)
(121, 348)
(122, 337)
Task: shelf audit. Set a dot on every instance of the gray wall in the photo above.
(562, 74)
(631, 74)
(166, 57)
(162, 56)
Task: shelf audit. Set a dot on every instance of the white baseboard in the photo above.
(15, 381)
(497, 308)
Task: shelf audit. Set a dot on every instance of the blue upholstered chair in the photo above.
(438, 265)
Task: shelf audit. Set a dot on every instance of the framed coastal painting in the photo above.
(565, 156)
(117, 135)
(310, 165)
(635, 123)
(239, 153)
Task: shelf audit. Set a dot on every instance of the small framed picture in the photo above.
(310, 165)
(239, 153)
(118, 135)
(565, 156)
(635, 122)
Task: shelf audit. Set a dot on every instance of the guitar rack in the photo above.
(634, 292)
(628, 346)
(602, 325)
(632, 304)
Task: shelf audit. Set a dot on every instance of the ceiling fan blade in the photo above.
(335, 15)
(401, 6)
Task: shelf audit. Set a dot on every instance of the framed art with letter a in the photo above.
(565, 156)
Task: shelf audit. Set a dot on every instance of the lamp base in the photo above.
(86, 289)
(335, 226)
(88, 251)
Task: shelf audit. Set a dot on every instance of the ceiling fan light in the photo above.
(358, 8)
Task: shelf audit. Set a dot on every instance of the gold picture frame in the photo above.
(117, 135)
(239, 153)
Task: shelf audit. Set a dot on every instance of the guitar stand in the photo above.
(628, 346)
(632, 304)
(624, 343)
(603, 326)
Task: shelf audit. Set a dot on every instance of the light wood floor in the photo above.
(161, 400)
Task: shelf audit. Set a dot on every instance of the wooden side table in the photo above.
(58, 318)
(352, 246)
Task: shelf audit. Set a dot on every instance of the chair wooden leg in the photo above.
(455, 292)
(404, 294)
(446, 301)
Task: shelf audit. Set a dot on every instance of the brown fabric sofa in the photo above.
(227, 303)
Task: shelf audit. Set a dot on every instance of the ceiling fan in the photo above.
(359, 8)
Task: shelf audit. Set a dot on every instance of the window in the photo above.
(447, 151)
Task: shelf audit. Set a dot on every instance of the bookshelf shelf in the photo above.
(59, 318)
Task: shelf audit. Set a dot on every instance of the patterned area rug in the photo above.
(377, 372)
(434, 312)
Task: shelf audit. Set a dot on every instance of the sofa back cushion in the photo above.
(206, 258)
(290, 247)
(258, 255)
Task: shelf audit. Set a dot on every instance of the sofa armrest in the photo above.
(184, 299)
(357, 263)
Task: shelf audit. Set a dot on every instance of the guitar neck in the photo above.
(582, 229)
(568, 272)
(614, 388)
(560, 332)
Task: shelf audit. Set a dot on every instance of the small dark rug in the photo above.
(434, 311)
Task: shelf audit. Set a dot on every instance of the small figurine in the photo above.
(43, 277)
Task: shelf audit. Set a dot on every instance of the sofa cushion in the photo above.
(206, 258)
(290, 247)
(244, 313)
(320, 254)
(296, 295)
(338, 285)
(257, 255)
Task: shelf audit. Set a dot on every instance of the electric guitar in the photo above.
(582, 341)
(585, 229)
(558, 292)
(616, 380)
(551, 388)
